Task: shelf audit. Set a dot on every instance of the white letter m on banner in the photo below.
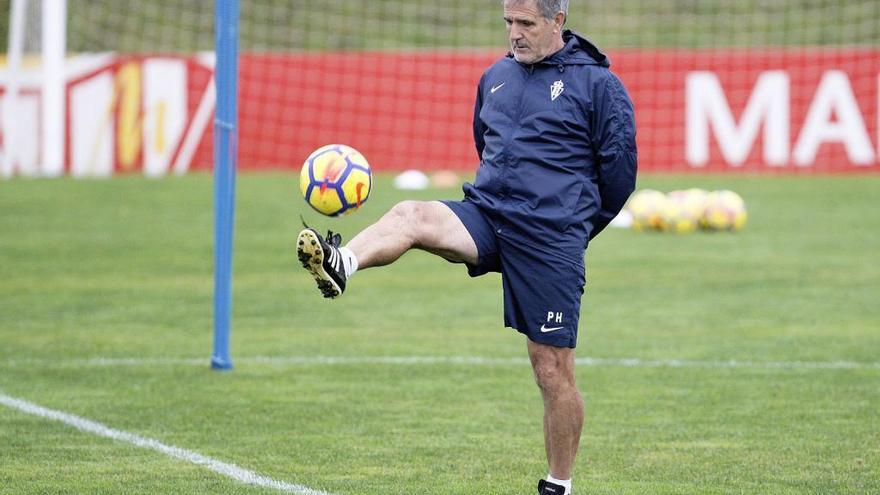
(707, 105)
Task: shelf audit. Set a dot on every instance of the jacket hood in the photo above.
(577, 51)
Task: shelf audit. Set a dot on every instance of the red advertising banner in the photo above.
(768, 110)
(750, 110)
(765, 110)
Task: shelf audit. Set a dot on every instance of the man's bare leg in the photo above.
(427, 225)
(563, 405)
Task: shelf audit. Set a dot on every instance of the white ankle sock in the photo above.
(349, 261)
(565, 483)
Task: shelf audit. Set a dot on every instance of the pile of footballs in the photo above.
(684, 211)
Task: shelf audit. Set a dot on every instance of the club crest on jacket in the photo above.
(556, 89)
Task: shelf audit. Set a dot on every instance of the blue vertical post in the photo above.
(225, 158)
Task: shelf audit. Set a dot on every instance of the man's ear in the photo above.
(559, 20)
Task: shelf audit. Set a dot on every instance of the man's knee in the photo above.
(553, 369)
(551, 379)
(411, 213)
(422, 222)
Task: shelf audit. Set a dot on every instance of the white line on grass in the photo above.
(226, 469)
(453, 360)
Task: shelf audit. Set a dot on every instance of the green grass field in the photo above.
(92, 271)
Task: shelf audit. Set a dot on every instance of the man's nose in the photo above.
(515, 34)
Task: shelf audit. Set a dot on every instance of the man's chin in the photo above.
(523, 57)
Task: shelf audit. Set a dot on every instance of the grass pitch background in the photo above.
(123, 269)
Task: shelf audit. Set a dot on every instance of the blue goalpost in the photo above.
(225, 157)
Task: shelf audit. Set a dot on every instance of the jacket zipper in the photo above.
(509, 165)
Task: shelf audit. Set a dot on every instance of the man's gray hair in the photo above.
(548, 8)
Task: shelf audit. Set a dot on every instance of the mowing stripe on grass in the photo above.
(453, 360)
(226, 469)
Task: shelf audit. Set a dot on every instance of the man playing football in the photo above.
(555, 133)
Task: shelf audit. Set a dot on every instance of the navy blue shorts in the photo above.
(542, 286)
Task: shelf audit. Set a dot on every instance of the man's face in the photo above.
(532, 36)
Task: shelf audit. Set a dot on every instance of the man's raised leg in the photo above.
(426, 225)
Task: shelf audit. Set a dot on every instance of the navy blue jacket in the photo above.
(557, 145)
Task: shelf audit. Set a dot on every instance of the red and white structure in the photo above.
(743, 110)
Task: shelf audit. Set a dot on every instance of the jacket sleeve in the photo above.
(614, 139)
(479, 127)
